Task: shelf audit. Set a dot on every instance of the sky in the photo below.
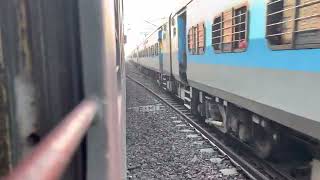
(137, 14)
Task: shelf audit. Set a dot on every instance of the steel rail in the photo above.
(248, 168)
(50, 158)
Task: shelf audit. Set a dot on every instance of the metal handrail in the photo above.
(50, 158)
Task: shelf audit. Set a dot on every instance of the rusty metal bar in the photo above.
(50, 158)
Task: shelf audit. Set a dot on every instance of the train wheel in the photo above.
(263, 146)
(195, 102)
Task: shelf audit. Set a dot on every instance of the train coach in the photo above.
(249, 67)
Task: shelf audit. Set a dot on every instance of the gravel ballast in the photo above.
(161, 145)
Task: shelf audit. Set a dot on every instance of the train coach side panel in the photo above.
(150, 61)
(280, 85)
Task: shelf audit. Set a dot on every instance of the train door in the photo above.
(160, 51)
(182, 53)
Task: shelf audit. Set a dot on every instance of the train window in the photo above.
(196, 39)
(216, 33)
(157, 49)
(200, 38)
(293, 24)
(190, 40)
(229, 30)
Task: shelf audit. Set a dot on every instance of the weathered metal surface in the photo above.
(5, 150)
(51, 157)
(41, 51)
(102, 59)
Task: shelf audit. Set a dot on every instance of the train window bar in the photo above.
(293, 24)
(230, 34)
(294, 7)
(239, 15)
(230, 26)
(290, 20)
(311, 29)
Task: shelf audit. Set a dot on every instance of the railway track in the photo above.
(243, 158)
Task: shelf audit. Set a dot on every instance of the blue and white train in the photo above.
(251, 68)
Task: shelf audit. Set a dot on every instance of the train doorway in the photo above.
(182, 53)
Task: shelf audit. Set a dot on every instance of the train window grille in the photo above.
(157, 49)
(196, 39)
(216, 33)
(200, 38)
(229, 30)
(149, 51)
(152, 50)
(293, 24)
(190, 40)
(173, 22)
